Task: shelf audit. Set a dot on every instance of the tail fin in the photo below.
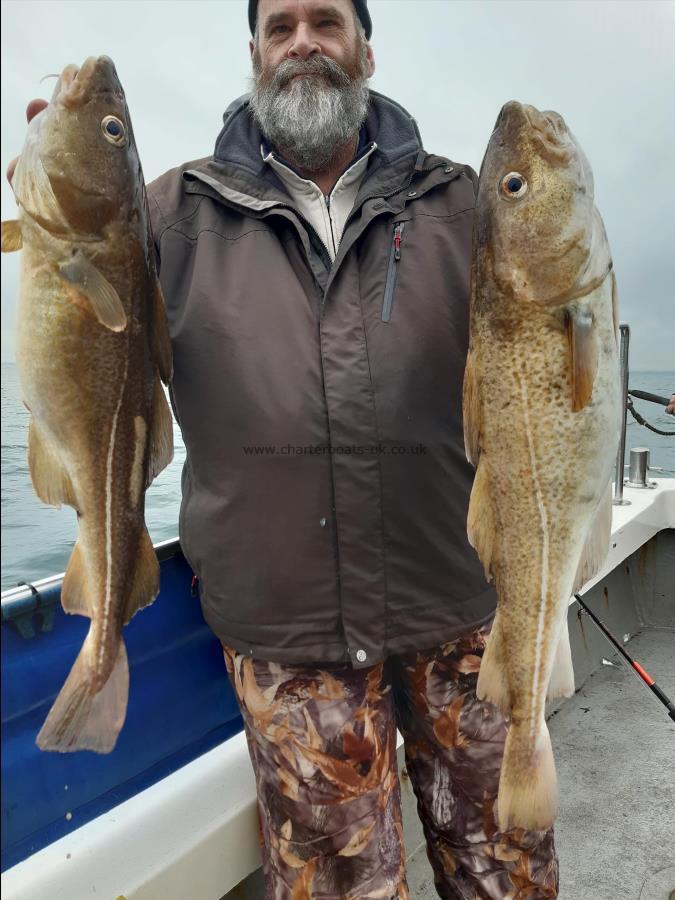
(528, 786)
(82, 719)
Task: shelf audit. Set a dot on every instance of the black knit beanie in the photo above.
(361, 7)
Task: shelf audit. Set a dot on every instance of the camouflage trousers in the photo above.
(322, 741)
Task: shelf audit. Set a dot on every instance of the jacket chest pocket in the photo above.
(392, 270)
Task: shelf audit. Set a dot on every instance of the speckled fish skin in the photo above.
(542, 413)
(92, 345)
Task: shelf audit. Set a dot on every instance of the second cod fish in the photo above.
(92, 346)
(542, 412)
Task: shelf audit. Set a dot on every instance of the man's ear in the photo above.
(251, 47)
(370, 61)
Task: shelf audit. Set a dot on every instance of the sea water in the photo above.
(37, 539)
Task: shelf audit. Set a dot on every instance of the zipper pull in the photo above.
(397, 242)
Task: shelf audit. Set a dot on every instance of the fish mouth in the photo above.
(548, 130)
(78, 84)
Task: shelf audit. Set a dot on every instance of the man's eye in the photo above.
(327, 23)
(279, 29)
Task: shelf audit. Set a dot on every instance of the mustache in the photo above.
(317, 66)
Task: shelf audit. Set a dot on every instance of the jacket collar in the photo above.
(387, 124)
(294, 181)
(239, 175)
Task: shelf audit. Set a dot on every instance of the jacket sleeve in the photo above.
(158, 226)
(157, 223)
(474, 179)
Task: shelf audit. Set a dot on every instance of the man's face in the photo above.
(299, 29)
(311, 67)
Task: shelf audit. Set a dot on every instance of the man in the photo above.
(316, 274)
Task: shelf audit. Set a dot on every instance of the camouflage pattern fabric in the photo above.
(323, 745)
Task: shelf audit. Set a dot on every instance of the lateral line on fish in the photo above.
(108, 519)
(543, 518)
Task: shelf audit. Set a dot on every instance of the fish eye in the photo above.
(513, 186)
(114, 131)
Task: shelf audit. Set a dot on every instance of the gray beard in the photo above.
(310, 119)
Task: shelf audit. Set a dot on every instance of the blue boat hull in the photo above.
(180, 706)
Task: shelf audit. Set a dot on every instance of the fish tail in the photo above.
(528, 786)
(82, 717)
(492, 680)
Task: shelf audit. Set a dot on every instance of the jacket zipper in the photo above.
(330, 222)
(392, 271)
(385, 196)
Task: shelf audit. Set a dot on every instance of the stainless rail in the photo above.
(623, 361)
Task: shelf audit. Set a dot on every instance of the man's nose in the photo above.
(304, 43)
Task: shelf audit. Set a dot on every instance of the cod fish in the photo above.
(92, 346)
(542, 411)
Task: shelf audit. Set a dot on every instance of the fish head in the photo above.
(79, 170)
(536, 223)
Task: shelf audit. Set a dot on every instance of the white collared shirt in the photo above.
(327, 214)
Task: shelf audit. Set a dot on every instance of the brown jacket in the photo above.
(325, 490)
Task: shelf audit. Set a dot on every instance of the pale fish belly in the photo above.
(549, 478)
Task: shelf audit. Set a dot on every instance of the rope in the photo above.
(638, 418)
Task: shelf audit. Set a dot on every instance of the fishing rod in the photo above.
(644, 675)
(653, 398)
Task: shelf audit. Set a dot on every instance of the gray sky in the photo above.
(607, 67)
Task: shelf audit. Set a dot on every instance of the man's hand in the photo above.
(671, 406)
(33, 108)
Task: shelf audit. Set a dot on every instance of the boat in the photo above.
(171, 812)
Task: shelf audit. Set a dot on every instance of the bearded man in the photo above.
(316, 275)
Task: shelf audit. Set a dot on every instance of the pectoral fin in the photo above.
(104, 299)
(583, 355)
(12, 238)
